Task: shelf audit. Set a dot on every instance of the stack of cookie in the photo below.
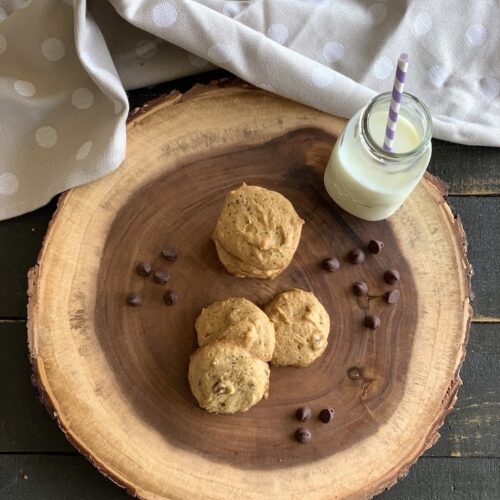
(229, 372)
(256, 236)
(257, 233)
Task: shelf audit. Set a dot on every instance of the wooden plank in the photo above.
(446, 478)
(471, 430)
(481, 219)
(24, 424)
(468, 170)
(36, 477)
(48, 477)
(478, 318)
(20, 242)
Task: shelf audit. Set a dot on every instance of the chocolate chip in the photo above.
(143, 268)
(316, 342)
(134, 299)
(360, 288)
(161, 277)
(356, 256)
(170, 297)
(375, 246)
(331, 264)
(326, 415)
(372, 321)
(392, 297)
(303, 413)
(170, 253)
(391, 276)
(303, 435)
(354, 373)
(219, 388)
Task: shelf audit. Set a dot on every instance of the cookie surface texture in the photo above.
(238, 320)
(226, 378)
(302, 326)
(257, 232)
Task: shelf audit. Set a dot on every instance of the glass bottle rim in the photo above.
(377, 150)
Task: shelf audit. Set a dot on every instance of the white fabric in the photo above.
(64, 69)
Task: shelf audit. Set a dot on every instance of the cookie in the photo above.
(302, 326)
(238, 320)
(257, 232)
(226, 378)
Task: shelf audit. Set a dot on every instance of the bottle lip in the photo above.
(377, 150)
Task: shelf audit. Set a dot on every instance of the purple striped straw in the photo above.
(397, 93)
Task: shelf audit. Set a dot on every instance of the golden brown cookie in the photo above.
(257, 233)
(302, 326)
(238, 320)
(226, 378)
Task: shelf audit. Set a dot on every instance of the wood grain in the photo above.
(116, 376)
(447, 478)
(480, 217)
(471, 430)
(20, 242)
(28, 477)
(53, 477)
(25, 426)
(468, 170)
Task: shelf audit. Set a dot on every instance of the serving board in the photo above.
(116, 377)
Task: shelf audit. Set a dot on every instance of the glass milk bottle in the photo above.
(363, 178)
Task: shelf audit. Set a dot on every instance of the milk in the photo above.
(372, 185)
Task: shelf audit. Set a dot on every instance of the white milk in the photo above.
(372, 184)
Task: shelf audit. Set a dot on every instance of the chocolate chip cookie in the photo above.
(302, 327)
(238, 320)
(226, 378)
(257, 233)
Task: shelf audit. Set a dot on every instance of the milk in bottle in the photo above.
(367, 181)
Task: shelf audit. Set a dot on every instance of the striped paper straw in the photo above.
(397, 92)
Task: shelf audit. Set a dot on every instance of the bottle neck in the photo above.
(414, 111)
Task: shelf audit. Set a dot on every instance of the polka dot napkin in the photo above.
(65, 65)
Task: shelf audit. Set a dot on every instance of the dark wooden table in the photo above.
(36, 461)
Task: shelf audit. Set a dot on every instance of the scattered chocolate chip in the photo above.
(356, 256)
(143, 268)
(354, 373)
(170, 297)
(326, 415)
(375, 246)
(303, 413)
(303, 435)
(391, 276)
(392, 297)
(170, 253)
(134, 299)
(161, 277)
(331, 264)
(372, 321)
(360, 288)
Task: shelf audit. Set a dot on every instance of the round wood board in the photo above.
(116, 377)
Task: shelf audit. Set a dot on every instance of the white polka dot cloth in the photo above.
(65, 65)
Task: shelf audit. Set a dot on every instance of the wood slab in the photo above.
(115, 376)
